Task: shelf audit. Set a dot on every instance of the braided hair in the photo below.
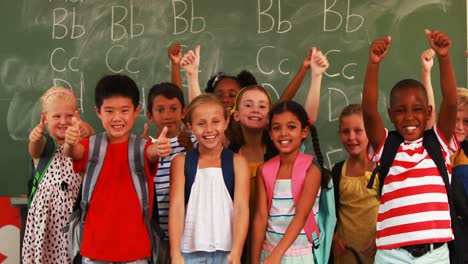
(297, 110)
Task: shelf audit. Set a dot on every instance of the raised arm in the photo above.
(260, 219)
(241, 207)
(175, 55)
(441, 44)
(373, 123)
(293, 86)
(177, 207)
(303, 209)
(190, 63)
(318, 65)
(427, 61)
(36, 138)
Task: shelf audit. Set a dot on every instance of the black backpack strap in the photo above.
(336, 176)
(432, 146)
(190, 170)
(227, 166)
(391, 145)
(464, 146)
(43, 164)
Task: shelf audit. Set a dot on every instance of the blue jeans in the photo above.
(202, 257)
(399, 255)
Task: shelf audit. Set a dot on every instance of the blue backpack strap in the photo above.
(43, 164)
(190, 170)
(191, 165)
(227, 166)
(391, 145)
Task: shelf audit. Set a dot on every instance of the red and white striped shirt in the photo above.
(414, 206)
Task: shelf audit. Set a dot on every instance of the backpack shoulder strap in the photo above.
(43, 164)
(269, 173)
(391, 145)
(227, 166)
(432, 145)
(190, 170)
(464, 146)
(96, 156)
(336, 177)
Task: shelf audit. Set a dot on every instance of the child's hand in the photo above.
(145, 135)
(370, 248)
(177, 260)
(85, 129)
(184, 138)
(72, 134)
(38, 132)
(378, 49)
(439, 41)
(338, 246)
(191, 61)
(233, 259)
(163, 145)
(318, 62)
(306, 63)
(427, 60)
(272, 259)
(175, 53)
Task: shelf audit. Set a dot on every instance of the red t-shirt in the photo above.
(114, 229)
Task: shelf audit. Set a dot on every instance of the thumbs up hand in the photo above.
(191, 61)
(163, 145)
(439, 42)
(144, 134)
(37, 133)
(72, 134)
(318, 61)
(184, 138)
(85, 129)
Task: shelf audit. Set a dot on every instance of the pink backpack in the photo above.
(301, 164)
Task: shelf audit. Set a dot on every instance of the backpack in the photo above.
(457, 198)
(191, 166)
(37, 172)
(319, 231)
(97, 153)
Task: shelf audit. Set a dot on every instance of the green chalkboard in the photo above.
(75, 42)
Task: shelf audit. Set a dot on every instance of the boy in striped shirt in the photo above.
(413, 223)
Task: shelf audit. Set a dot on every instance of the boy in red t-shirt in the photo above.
(115, 230)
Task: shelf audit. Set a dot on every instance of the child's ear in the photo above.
(390, 115)
(305, 132)
(98, 112)
(137, 110)
(235, 116)
(227, 123)
(429, 112)
(183, 112)
(149, 116)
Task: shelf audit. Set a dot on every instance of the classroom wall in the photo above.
(75, 42)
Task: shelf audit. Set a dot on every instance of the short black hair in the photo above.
(407, 84)
(116, 85)
(166, 89)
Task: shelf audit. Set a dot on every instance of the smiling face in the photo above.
(287, 132)
(58, 116)
(208, 123)
(118, 115)
(461, 126)
(166, 113)
(252, 109)
(353, 135)
(409, 112)
(227, 90)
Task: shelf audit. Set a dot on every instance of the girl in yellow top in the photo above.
(357, 206)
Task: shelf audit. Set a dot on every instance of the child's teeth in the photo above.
(411, 128)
